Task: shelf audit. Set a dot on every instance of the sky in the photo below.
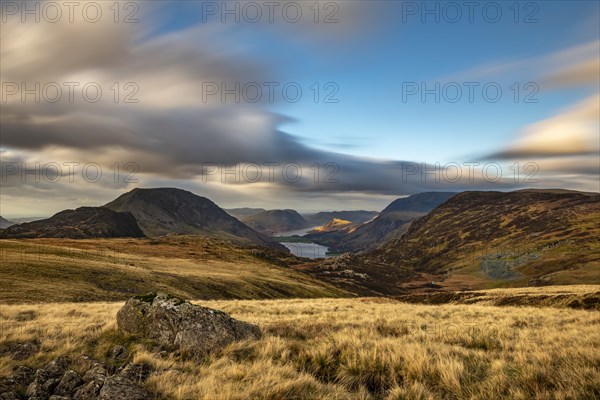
(311, 105)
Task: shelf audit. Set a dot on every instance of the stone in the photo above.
(69, 382)
(90, 390)
(97, 371)
(84, 363)
(119, 354)
(178, 324)
(120, 388)
(20, 351)
(136, 372)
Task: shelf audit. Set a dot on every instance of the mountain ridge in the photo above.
(481, 240)
(163, 211)
(81, 223)
(275, 221)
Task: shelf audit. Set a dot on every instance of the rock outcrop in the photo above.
(58, 380)
(178, 324)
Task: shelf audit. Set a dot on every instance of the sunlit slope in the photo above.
(41, 270)
(504, 239)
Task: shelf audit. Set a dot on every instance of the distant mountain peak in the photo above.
(163, 211)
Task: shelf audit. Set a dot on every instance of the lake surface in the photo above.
(308, 250)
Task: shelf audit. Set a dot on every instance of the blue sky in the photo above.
(371, 65)
(371, 71)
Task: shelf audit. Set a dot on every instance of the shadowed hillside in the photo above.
(167, 210)
(4, 223)
(391, 223)
(242, 212)
(480, 240)
(82, 223)
(275, 221)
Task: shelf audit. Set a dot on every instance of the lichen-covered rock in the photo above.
(179, 324)
(136, 372)
(20, 351)
(46, 379)
(91, 389)
(57, 380)
(68, 383)
(117, 387)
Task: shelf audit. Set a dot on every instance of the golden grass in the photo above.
(61, 270)
(364, 348)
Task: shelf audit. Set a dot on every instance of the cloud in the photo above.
(574, 131)
(571, 66)
(565, 147)
(173, 131)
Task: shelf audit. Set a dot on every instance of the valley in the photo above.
(442, 296)
(330, 200)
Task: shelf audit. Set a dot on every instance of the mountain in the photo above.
(164, 211)
(391, 223)
(276, 221)
(243, 212)
(422, 202)
(521, 236)
(82, 223)
(4, 223)
(26, 219)
(324, 217)
(479, 240)
(333, 226)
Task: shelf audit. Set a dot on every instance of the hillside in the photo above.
(481, 240)
(391, 223)
(4, 223)
(166, 211)
(421, 202)
(242, 212)
(356, 217)
(275, 221)
(524, 237)
(333, 226)
(82, 223)
(58, 270)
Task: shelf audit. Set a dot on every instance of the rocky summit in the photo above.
(177, 324)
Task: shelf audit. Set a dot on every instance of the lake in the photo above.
(308, 250)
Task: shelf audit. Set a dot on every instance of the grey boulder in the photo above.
(178, 324)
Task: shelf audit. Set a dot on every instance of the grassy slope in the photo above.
(44, 270)
(365, 349)
(549, 236)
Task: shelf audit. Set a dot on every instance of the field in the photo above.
(62, 270)
(361, 348)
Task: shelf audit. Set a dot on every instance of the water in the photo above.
(308, 250)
